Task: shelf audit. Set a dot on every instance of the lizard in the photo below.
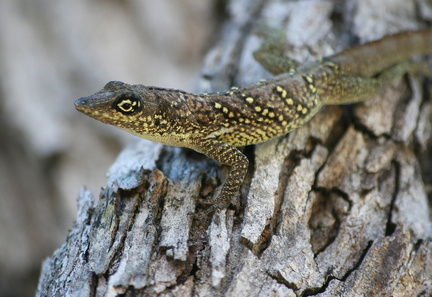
(216, 124)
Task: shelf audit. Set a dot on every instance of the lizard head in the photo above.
(116, 104)
(147, 112)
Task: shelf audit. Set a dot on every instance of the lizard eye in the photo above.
(127, 104)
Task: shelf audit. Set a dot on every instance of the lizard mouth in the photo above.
(80, 105)
(85, 106)
(93, 105)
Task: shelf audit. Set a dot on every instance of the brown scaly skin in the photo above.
(215, 124)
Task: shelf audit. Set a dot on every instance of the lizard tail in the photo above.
(369, 59)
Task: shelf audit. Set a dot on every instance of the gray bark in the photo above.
(337, 207)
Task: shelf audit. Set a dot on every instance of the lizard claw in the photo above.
(216, 205)
(204, 213)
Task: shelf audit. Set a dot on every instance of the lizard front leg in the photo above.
(227, 154)
(272, 53)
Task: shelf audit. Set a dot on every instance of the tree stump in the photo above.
(337, 207)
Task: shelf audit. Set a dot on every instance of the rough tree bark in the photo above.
(338, 207)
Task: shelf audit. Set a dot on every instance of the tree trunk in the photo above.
(337, 207)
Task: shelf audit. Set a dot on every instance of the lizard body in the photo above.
(216, 124)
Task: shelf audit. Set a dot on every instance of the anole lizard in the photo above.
(216, 124)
